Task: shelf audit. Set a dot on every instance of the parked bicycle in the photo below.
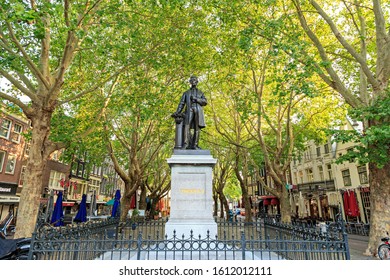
(12, 249)
(5, 224)
(384, 249)
(15, 249)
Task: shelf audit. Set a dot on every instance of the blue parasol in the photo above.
(115, 208)
(81, 215)
(57, 218)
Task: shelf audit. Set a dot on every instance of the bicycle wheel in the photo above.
(384, 252)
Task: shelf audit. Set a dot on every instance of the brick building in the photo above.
(12, 150)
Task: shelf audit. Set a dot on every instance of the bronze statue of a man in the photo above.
(192, 100)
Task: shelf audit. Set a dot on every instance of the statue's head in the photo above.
(193, 80)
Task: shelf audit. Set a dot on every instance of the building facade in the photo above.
(74, 179)
(328, 187)
(12, 146)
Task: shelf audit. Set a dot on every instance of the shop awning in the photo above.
(269, 200)
(274, 201)
(267, 197)
(67, 203)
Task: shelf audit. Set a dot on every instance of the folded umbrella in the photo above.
(81, 215)
(292, 204)
(115, 207)
(302, 212)
(347, 208)
(353, 206)
(57, 218)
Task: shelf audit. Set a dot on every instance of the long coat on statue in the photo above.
(186, 101)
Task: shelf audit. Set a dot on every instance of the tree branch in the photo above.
(117, 166)
(102, 111)
(19, 86)
(337, 84)
(27, 110)
(347, 46)
(383, 46)
(31, 65)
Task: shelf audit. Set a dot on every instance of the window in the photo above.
(11, 163)
(362, 171)
(300, 177)
(27, 146)
(309, 173)
(346, 177)
(330, 173)
(307, 154)
(5, 128)
(318, 149)
(326, 148)
(22, 175)
(97, 170)
(365, 195)
(93, 184)
(16, 134)
(55, 155)
(55, 179)
(321, 172)
(2, 156)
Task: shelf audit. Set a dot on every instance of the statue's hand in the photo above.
(174, 115)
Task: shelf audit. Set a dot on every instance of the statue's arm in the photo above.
(181, 105)
(202, 99)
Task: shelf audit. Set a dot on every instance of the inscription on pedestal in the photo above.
(192, 191)
(191, 195)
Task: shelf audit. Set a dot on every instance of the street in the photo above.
(357, 246)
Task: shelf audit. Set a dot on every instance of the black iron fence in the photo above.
(146, 240)
(316, 241)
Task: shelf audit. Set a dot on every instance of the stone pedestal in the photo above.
(191, 194)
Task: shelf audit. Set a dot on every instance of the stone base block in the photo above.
(202, 228)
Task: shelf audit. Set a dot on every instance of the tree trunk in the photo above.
(285, 207)
(215, 198)
(126, 200)
(142, 199)
(247, 204)
(154, 202)
(36, 163)
(379, 208)
(125, 206)
(222, 213)
(224, 205)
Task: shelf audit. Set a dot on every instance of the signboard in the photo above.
(8, 188)
(9, 199)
